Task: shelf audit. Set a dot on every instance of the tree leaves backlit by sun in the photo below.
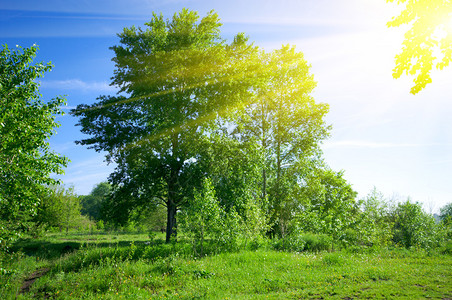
(428, 42)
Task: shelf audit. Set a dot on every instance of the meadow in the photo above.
(138, 266)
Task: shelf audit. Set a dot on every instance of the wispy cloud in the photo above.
(77, 84)
(67, 107)
(372, 144)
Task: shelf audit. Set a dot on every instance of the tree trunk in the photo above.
(173, 187)
(171, 220)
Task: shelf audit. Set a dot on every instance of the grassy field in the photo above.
(130, 266)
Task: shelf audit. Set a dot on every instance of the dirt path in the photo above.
(25, 288)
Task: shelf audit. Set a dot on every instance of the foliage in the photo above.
(151, 218)
(26, 124)
(374, 223)
(287, 125)
(176, 77)
(255, 221)
(59, 208)
(233, 167)
(92, 203)
(428, 43)
(446, 213)
(298, 242)
(413, 227)
(330, 205)
(205, 219)
(201, 219)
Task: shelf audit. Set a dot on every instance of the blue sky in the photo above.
(382, 135)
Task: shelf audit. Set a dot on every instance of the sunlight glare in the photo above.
(449, 25)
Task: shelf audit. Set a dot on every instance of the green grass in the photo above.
(125, 267)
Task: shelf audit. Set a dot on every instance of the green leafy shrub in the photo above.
(290, 243)
(205, 219)
(317, 242)
(373, 226)
(304, 242)
(414, 228)
(447, 248)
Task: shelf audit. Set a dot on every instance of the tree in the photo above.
(26, 124)
(176, 78)
(202, 219)
(92, 203)
(288, 126)
(428, 43)
(59, 208)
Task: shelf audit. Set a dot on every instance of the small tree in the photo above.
(201, 219)
(446, 220)
(60, 208)
(330, 206)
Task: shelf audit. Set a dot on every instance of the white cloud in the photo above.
(77, 84)
(371, 144)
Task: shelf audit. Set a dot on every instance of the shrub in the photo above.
(204, 219)
(317, 242)
(290, 243)
(414, 228)
(100, 225)
(374, 225)
(304, 242)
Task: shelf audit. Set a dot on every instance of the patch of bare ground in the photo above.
(25, 288)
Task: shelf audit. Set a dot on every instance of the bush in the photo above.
(304, 242)
(290, 243)
(100, 225)
(204, 219)
(415, 228)
(447, 248)
(317, 242)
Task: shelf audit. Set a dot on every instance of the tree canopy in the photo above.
(176, 75)
(428, 43)
(26, 123)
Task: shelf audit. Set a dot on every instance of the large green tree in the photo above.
(175, 77)
(26, 124)
(428, 43)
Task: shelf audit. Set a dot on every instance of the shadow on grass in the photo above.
(54, 249)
